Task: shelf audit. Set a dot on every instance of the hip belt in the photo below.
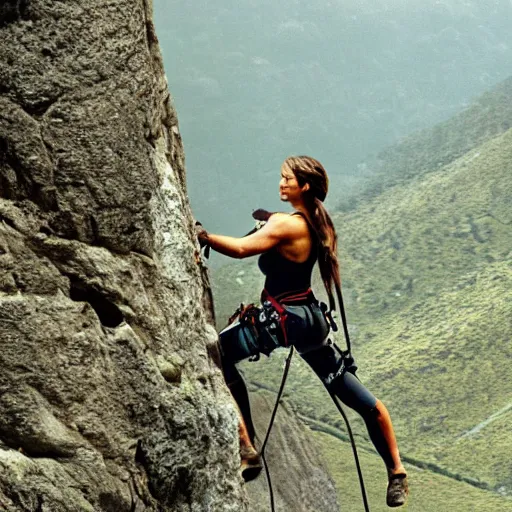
(298, 320)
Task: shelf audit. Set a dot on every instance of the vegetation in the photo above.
(430, 491)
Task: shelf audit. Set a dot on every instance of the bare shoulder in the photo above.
(293, 224)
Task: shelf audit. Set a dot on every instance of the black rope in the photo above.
(336, 403)
(343, 318)
(354, 449)
(271, 423)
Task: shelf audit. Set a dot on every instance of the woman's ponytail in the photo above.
(327, 249)
(308, 170)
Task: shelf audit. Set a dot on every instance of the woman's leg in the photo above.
(325, 362)
(352, 393)
(250, 458)
(382, 418)
(238, 389)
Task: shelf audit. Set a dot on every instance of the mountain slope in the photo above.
(429, 233)
(429, 149)
(429, 491)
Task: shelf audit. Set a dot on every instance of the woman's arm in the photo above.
(280, 227)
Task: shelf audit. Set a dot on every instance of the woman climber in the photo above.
(289, 245)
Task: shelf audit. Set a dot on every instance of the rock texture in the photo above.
(299, 478)
(109, 399)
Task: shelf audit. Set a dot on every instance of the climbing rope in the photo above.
(354, 449)
(271, 423)
(348, 354)
(347, 423)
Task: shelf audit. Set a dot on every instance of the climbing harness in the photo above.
(255, 330)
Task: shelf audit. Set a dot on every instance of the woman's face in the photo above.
(289, 189)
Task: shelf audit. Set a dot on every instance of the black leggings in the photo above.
(324, 361)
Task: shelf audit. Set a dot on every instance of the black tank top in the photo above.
(283, 275)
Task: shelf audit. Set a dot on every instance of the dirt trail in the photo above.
(486, 422)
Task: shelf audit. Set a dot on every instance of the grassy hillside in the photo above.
(429, 491)
(417, 238)
(427, 274)
(428, 150)
(443, 367)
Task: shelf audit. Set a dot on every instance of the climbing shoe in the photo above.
(398, 490)
(251, 463)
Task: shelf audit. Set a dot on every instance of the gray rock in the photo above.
(109, 397)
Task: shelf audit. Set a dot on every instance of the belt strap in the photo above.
(282, 313)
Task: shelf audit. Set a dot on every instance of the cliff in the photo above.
(109, 399)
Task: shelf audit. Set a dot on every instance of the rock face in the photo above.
(109, 398)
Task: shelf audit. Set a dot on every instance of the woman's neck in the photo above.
(300, 206)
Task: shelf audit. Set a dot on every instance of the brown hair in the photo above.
(311, 171)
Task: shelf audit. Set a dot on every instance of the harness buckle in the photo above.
(328, 316)
(347, 364)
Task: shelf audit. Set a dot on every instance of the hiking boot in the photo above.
(251, 463)
(398, 490)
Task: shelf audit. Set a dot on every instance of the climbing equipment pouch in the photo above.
(247, 335)
(239, 341)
